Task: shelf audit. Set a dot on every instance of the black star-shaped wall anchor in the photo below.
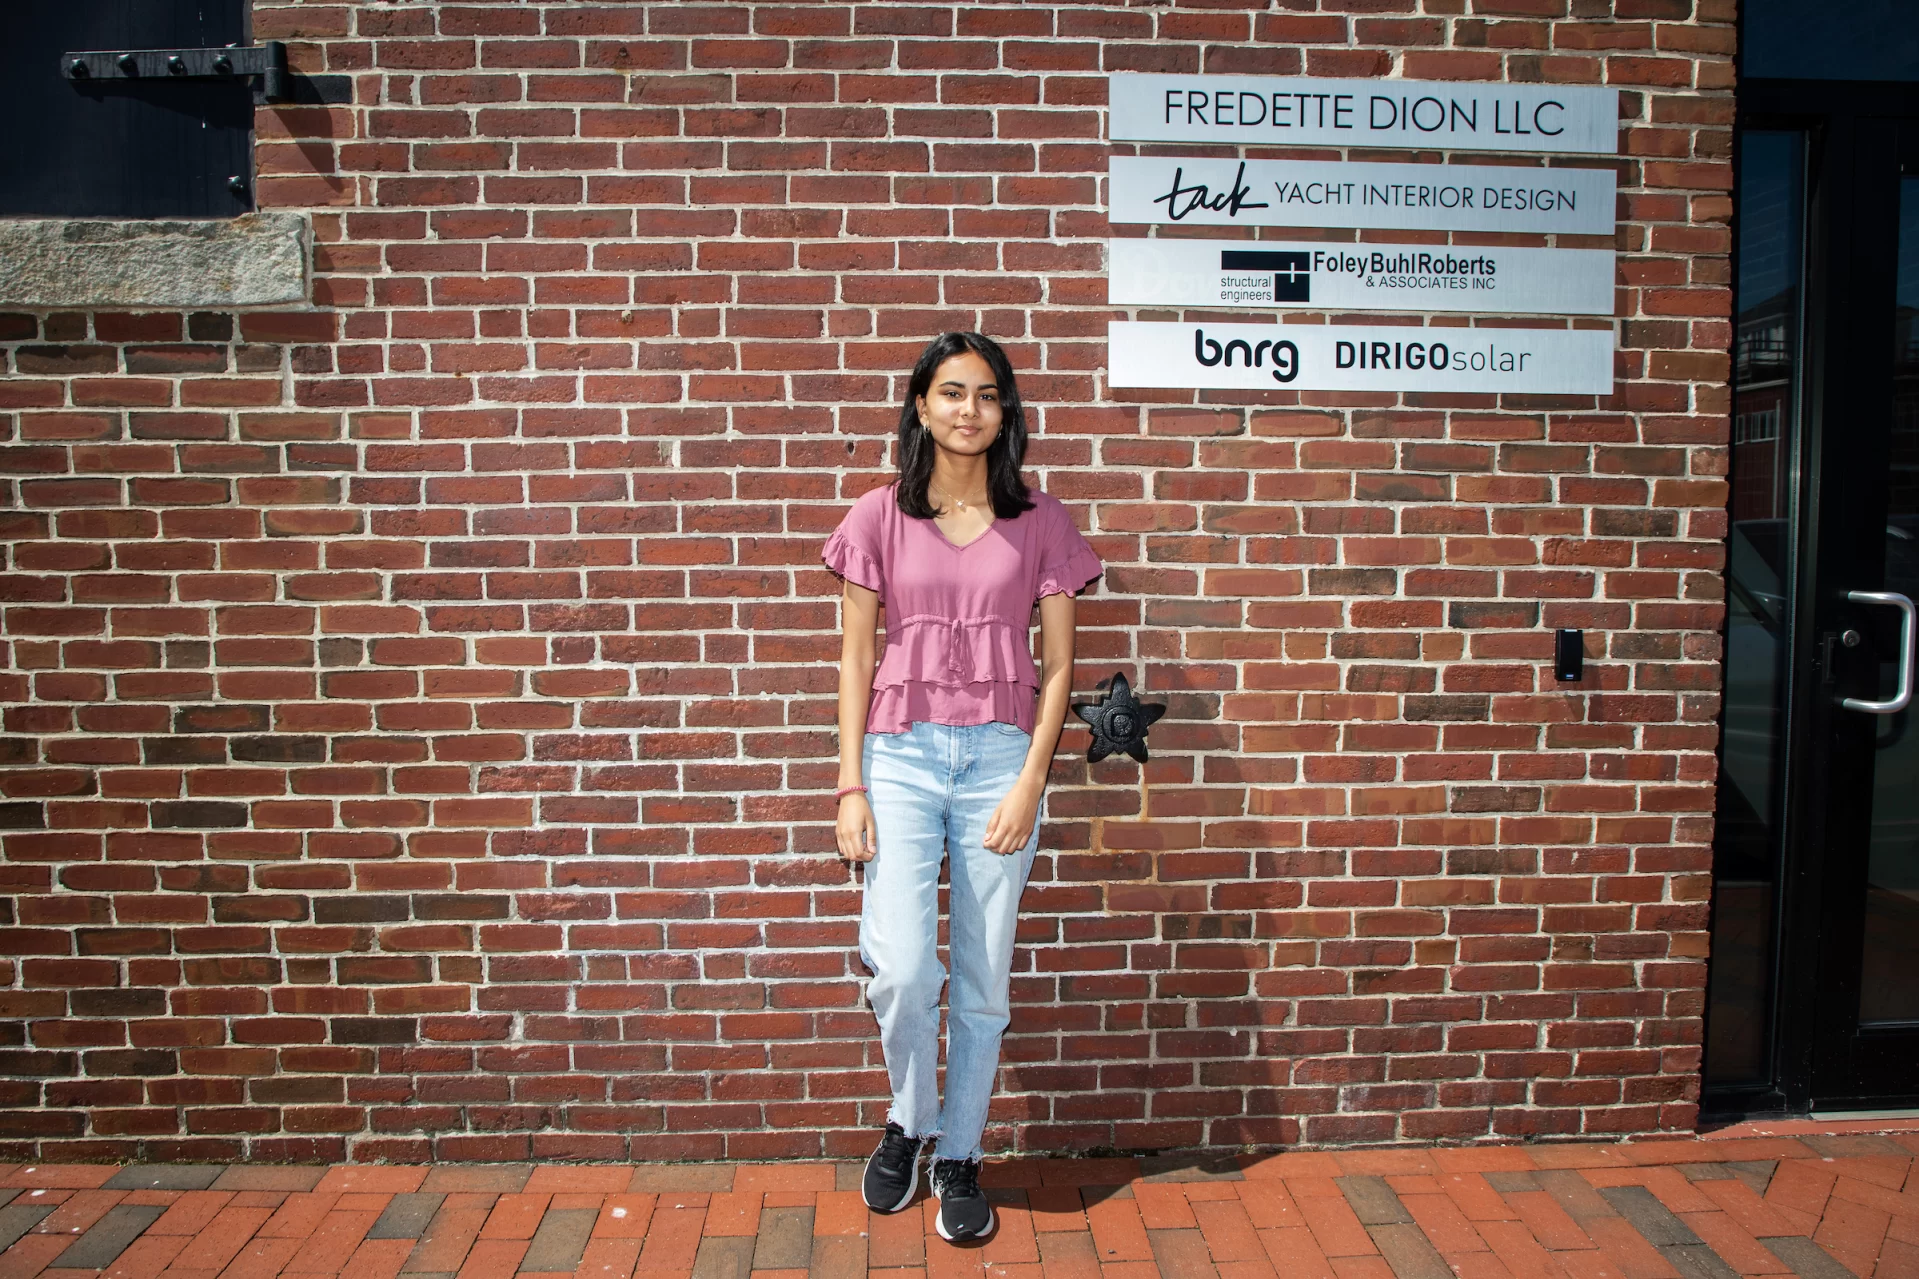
(1119, 722)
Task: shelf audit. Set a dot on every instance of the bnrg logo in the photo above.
(1209, 352)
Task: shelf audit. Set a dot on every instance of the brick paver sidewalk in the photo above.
(1819, 1205)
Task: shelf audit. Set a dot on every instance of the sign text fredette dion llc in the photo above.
(1319, 193)
(1325, 357)
(1267, 110)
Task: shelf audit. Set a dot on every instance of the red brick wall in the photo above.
(418, 708)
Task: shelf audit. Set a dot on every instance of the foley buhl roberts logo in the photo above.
(1411, 269)
(1249, 275)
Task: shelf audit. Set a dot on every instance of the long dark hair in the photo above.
(1004, 456)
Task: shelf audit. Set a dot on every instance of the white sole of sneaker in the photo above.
(912, 1188)
(992, 1220)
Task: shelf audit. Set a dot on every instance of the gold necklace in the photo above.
(960, 503)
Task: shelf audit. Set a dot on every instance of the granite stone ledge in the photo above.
(258, 259)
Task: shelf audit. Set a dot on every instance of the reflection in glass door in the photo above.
(1765, 439)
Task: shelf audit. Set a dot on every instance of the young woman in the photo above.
(944, 751)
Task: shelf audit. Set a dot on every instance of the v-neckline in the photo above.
(967, 545)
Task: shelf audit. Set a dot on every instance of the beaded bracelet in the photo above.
(844, 791)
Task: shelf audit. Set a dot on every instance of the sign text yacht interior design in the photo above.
(1336, 193)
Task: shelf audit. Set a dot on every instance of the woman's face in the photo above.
(961, 408)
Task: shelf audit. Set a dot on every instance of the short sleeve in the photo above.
(854, 549)
(1067, 564)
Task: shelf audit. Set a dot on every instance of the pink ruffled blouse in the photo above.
(958, 618)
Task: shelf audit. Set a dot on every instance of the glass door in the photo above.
(1868, 1047)
(1813, 993)
(1889, 984)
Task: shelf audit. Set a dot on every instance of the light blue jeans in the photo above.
(933, 788)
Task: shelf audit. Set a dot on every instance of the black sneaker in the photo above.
(964, 1212)
(893, 1173)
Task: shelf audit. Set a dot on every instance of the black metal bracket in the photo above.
(1119, 721)
(265, 64)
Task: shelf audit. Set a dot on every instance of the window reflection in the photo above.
(1769, 209)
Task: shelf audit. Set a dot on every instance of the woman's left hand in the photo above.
(1011, 824)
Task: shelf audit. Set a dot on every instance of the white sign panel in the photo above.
(1337, 193)
(1369, 277)
(1322, 357)
(1269, 110)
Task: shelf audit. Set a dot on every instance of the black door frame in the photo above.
(1818, 1058)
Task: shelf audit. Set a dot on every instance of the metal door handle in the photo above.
(1904, 693)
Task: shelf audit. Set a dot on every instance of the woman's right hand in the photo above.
(859, 839)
